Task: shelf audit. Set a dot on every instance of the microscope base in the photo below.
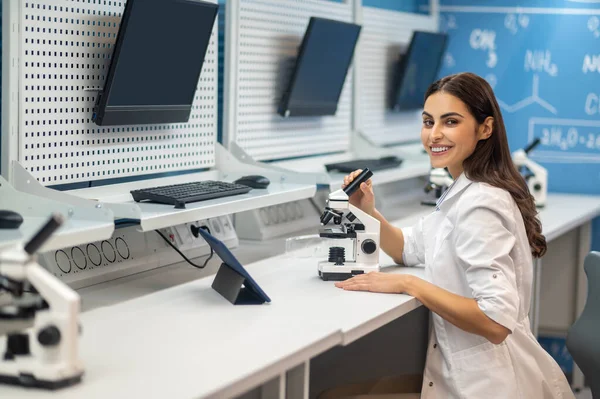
(431, 198)
(429, 202)
(29, 381)
(331, 272)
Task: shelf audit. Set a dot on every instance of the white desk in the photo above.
(188, 342)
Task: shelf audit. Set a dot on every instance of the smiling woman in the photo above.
(477, 248)
(449, 137)
(470, 123)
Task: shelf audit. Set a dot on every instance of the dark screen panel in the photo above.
(321, 68)
(157, 60)
(420, 66)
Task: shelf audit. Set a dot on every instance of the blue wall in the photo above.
(557, 49)
(416, 6)
(582, 4)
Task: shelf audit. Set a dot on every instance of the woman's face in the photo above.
(450, 133)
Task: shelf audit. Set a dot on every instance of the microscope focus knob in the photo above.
(537, 186)
(49, 336)
(368, 246)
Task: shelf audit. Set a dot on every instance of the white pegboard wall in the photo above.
(385, 36)
(65, 49)
(269, 33)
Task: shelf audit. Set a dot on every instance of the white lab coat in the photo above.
(475, 245)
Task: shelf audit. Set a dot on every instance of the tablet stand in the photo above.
(231, 285)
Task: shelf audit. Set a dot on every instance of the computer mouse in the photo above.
(254, 181)
(10, 220)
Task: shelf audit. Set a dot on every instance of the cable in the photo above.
(181, 253)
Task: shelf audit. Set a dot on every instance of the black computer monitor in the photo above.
(156, 63)
(418, 69)
(321, 67)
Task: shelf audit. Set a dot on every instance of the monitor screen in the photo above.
(321, 67)
(419, 68)
(156, 63)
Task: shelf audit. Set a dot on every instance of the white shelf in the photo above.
(415, 164)
(284, 187)
(74, 232)
(83, 223)
(154, 216)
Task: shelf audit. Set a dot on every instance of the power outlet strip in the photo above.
(276, 221)
(130, 251)
(183, 238)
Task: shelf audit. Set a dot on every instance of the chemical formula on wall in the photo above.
(544, 67)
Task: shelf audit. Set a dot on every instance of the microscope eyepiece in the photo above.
(55, 221)
(532, 145)
(355, 185)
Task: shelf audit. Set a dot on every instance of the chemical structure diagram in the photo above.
(485, 40)
(513, 22)
(448, 22)
(449, 60)
(533, 99)
(491, 79)
(594, 26)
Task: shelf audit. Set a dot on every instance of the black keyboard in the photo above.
(181, 194)
(372, 163)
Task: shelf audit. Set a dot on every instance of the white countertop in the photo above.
(563, 212)
(189, 342)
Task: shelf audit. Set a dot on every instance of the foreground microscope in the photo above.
(350, 223)
(439, 181)
(535, 175)
(39, 319)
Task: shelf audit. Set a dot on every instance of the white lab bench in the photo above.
(188, 342)
(415, 163)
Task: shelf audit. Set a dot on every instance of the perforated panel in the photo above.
(66, 48)
(269, 35)
(386, 35)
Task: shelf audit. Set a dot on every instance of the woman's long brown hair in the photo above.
(491, 162)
